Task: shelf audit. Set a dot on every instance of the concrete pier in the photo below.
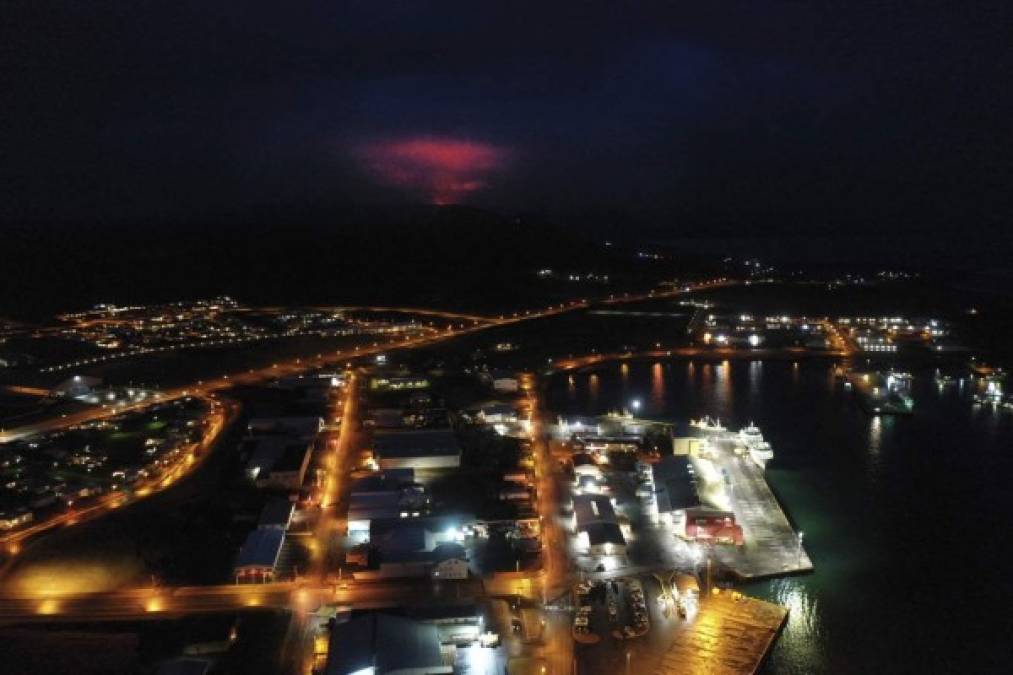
(772, 546)
(731, 634)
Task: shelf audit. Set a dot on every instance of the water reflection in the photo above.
(875, 434)
(723, 381)
(801, 636)
(657, 385)
(755, 374)
(875, 445)
(592, 389)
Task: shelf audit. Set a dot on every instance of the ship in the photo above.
(750, 434)
(945, 380)
(705, 423)
(992, 395)
(759, 450)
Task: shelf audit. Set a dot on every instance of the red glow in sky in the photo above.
(445, 170)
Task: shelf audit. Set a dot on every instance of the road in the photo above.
(296, 654)
(159, 602)
(556, 643)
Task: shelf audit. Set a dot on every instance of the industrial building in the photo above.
(280, 465)
(714, 526)
(418, 548)
(605, 539)
(277, 514)
(421, 449)
(302, 427)
(258, 558)
(504, 381)
(387, 495)
(674, 489)
(594, 521)
(381, 644)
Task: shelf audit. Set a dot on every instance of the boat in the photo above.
(705, 423)
(761, 453)
(759, 449)
(750, 435)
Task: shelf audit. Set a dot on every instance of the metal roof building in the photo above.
(589, 509)
(425, 449)
(277, 513)
(258, 558)
(381, 644)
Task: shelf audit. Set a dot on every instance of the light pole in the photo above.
(798, 549)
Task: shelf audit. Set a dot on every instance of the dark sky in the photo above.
(727, 117)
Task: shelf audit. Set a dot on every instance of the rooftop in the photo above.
(428, 442)
(589, 509)
(261, 549)
(605, 533)
(385, 643)
(276, 513)
(369, 505)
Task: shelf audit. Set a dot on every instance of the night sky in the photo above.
(676, 118)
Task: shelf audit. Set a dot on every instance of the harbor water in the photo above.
(906, 519)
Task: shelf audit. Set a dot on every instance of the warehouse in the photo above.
(423, 449)
(258, 558)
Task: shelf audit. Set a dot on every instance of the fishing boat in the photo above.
(705, 423)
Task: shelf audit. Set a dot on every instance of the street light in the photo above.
(798, 550)
(635, 404)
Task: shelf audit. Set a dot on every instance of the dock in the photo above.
(881, 394)
(772, 546)
(731, 634)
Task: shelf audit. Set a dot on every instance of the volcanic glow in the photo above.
(444, 170)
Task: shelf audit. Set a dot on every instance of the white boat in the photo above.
(750, 435)
(759, 450)
(761, 453)
(705, 423)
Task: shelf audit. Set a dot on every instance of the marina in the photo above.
(882, 393)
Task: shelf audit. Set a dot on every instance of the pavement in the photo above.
(729, 635)
(772, 546)
(159, 602)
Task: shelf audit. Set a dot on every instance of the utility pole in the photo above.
(708, 572)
